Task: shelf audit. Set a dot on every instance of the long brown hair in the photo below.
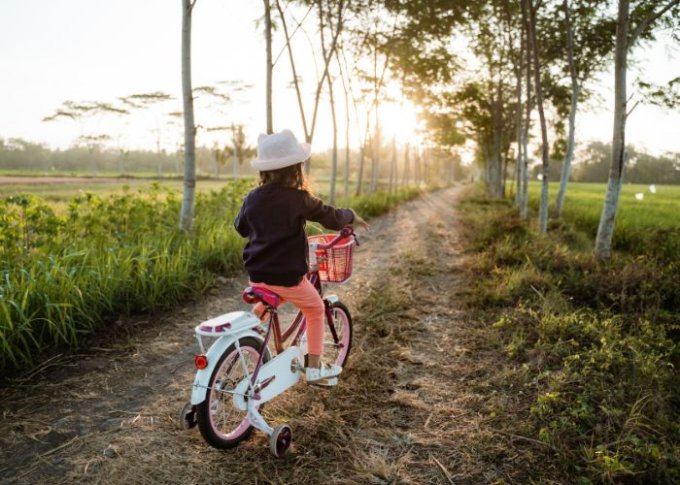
(291, 176)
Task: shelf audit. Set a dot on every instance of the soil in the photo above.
(421, 400)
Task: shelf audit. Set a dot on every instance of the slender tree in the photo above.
(645, 17)
(270, 65)
(583, 27)
(346, 87)
(84, 111)
(188, 196)
(334, 28)
(545, 146)
(147, 101)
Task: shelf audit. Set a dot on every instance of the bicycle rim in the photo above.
(221, 423)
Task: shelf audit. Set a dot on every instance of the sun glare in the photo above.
(401, 121)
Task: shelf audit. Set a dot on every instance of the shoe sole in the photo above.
(330, 382)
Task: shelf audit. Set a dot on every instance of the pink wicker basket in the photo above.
(335, 264)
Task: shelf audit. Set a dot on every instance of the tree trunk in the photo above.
(605, 230)
(362, 159)
(575, 91)
(347, 152)
(569, 156)
(270, 66)
(334, 156)
(418, 175)
(187, 210)
(393, 164)
(494, 161)
(347, 88)
(524, 202)
(407, 165)
(518, 121)
(234, 161)
(494, 170)
(329, 79)
(545, 146)
(375, 160)
(328, 55)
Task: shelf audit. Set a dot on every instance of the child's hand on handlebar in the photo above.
(359, 221)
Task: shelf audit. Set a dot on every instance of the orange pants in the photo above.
(305, 297)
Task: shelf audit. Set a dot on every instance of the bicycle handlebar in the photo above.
(345, 232)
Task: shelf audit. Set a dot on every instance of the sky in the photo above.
(53, 51)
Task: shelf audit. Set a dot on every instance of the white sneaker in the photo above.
(325, 372)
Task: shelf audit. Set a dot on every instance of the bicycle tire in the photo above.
(343, 326)
(216, 402)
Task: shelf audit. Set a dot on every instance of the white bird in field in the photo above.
(652, 189)
(639, 196)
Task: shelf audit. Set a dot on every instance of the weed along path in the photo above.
(421, 401)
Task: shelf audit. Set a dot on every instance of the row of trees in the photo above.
(405, 165)
(508, 75)
(534, 61)
(23, 155)
(352, 57)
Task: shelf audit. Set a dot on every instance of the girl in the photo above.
(273, 219)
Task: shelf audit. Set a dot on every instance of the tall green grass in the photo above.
(64, 273)
(62, 276)
(596, 345)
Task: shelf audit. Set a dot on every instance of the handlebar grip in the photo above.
(347, 231)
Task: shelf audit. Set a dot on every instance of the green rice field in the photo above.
(584, 201)
(638, 222)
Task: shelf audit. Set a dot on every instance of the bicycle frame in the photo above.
(299, 324)
(297, 328)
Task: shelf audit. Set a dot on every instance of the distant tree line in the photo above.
(593, 162)
(19, 154)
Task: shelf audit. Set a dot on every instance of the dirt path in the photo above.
(417, 403)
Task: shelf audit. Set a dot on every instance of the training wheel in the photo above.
(280, 440)
(187, 417)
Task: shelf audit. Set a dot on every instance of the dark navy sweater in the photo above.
(273, 219)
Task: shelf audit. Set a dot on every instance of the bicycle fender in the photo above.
(332, 298)
(202, 380)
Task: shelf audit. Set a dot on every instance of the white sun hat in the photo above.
(279, 150)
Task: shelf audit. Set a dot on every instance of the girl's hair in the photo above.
(291, 176)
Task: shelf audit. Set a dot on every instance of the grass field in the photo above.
(583, 204)
(59, 189)
(640, 224)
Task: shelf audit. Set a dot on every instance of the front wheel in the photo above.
(336, 345)
(220, 422)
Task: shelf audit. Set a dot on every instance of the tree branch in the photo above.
(292, 65)
(651, 18)
(297, 27)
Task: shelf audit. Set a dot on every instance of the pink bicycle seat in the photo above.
(253, 294)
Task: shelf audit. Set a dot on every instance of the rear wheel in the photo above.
(336, 346)
(221, 423)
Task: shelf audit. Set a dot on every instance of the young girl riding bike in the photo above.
(273, 219)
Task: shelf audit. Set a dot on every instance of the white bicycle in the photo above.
(237, 374)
